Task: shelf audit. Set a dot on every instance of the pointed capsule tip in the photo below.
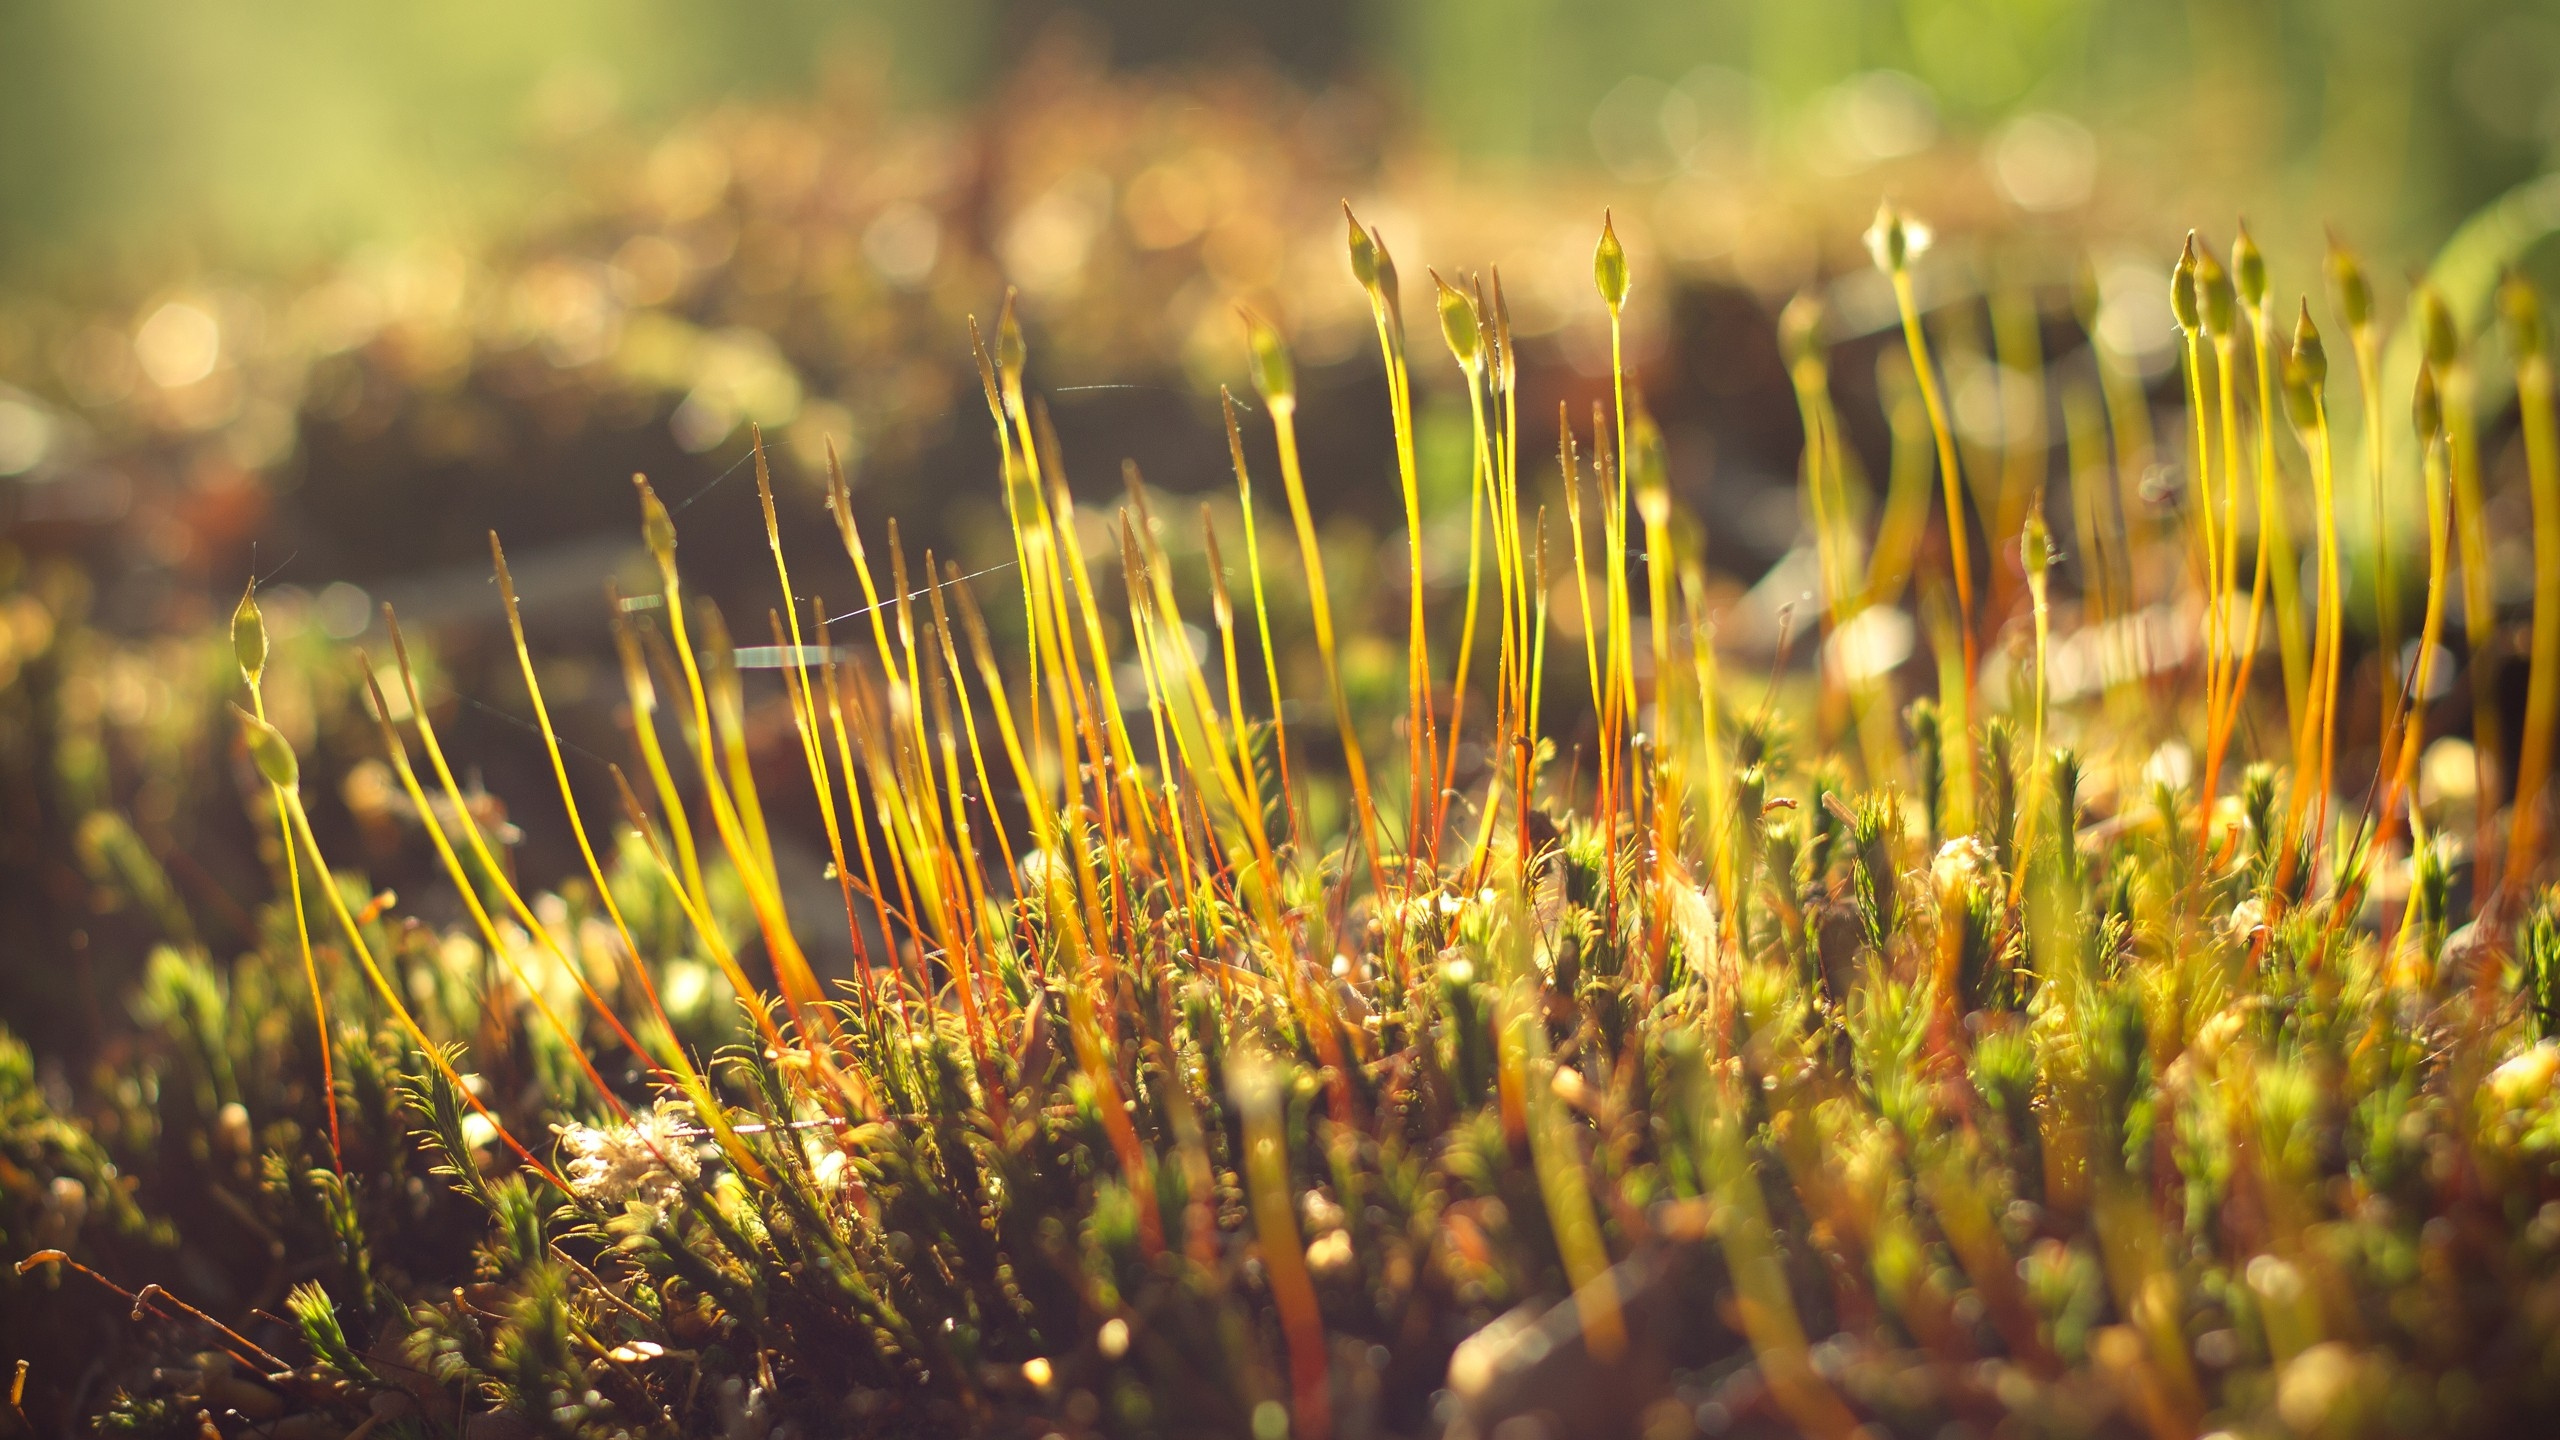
(249, 634)
(1609, 265)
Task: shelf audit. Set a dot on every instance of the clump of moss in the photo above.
(1644, 1048)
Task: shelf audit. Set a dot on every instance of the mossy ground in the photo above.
(1596, 1037)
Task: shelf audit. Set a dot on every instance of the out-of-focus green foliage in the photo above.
(2394, 118)
(287, 129)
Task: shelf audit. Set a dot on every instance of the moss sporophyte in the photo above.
(2015, 1008)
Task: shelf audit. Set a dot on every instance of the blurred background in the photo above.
(142, 133)
(256, 231)
(318, 294)
(265, 247)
